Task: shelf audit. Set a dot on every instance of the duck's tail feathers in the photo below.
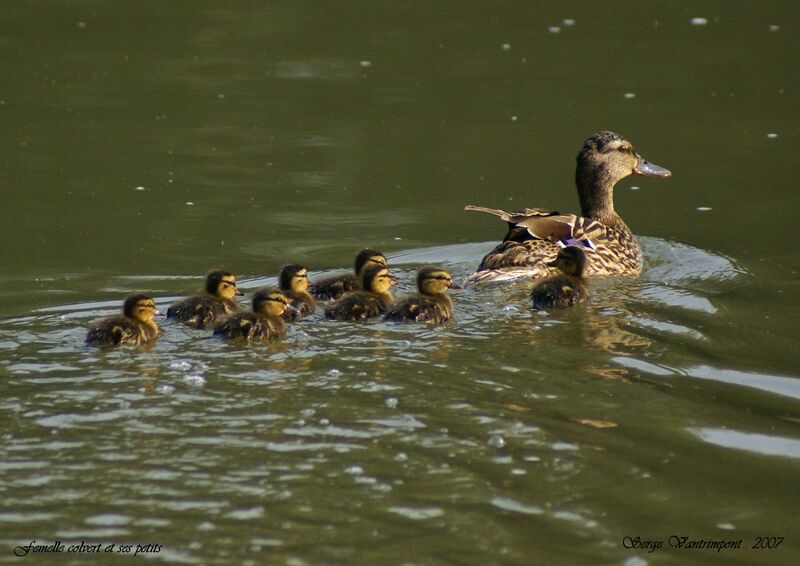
(495, 211)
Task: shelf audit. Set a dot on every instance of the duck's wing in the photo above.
(200, 311)
(332, 288)
(417, 308)
(356, 306)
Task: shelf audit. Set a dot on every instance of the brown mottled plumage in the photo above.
(530, 244)
(293, 281)
(370, 302)
(136, 325)
(203, 311)
(566, 289)
(432, 304)
(263, 323)
(332, 288)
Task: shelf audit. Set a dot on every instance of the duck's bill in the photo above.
(157, 312)
(453, 285)
(644, 167)
(239, 292)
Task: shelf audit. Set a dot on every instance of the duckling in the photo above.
(531, 243)
(567, 289)
(332, 288)
(371, 301)
(203, 311)
(263, 323)
(293, 281)
(136, 325)
(432, 304)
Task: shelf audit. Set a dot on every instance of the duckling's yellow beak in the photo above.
(239, 292)
(392, 279)
(157, 312)
(644, 167)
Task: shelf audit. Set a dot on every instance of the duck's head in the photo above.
(222, 284)
(605, 158)
(433, 280)
(368, 256)
(570, 261)
(377, 279)
(294, 278)
(270, 301)
(140, 307)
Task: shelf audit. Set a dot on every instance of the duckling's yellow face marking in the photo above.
(383, 281)
(145, 310)
(299, 283)
(436, 282)
(275, 304)
(376, 260)
(227, 288)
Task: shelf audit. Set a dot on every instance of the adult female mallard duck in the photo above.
(136, 325)
(534, 234)
(293, 281)
(335, 287)
(567, 289)
(263, 323)
(371, 301)
(203, 311)
(432, 303)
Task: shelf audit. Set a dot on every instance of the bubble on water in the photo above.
(531, 458)
(221, 96)
(496, 441)
(568, 22)
(514, 118)
(334, 372)
(703, 208)
(401, 457)
(365, 64)
(554, 29)
(505, 46)
(698, 21)
(773, 28)
(518, 472)
(194, 379)
(391, 403)
(772, 135)
(180, 365)
(354, 470)
(206, 526)
(726, 526)
(189, 203)
(634, 188)
(165, 389)
(306, 413)
(324, 422)
(629, 95)
(140, 188)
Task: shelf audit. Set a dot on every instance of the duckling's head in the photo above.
(140, 307)
(368, 256)
(293, 277)
(222, 284)
(570, 261)
(377, 279)
(270, 301)
(432, 280)
(605, 158)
